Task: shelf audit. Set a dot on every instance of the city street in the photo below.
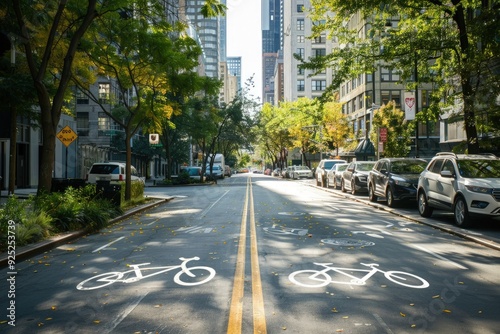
(257, 254)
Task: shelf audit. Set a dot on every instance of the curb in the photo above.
(37, 248)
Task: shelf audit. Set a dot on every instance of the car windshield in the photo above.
(104, 169)
(365, 167)
(330, 164)
(480, 168)
(301, 168)
(408, 167)
(193, 171)
(342, 167)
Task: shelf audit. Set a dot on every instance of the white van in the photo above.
(111, 171)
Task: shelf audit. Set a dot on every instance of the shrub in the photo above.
(34, 226)
(38, 216)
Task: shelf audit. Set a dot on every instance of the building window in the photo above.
(300, 8)
(300, 24)
(81, 98)
(369, 98)
(300, 39)
(301, 52)
(300, 71)
(300, 85)
(104, 122)
(391, 95)
(453, 129)
(318, 85)
(361, 100)
(82, 123)
(104, 89)
(319, 52)
(319, 40)
(389, 75)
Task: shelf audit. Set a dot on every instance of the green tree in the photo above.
(51, 34)
(398, 130)
(451, 44)
(336, 126)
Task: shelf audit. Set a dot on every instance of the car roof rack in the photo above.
(446, 153)
(491, 155)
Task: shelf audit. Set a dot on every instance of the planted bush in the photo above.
(40, 216)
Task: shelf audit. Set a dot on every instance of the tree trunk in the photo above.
(128, 166)
(48, 152)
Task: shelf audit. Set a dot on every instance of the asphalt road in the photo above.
(268, 255)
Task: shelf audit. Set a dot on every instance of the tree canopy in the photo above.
(454, 45)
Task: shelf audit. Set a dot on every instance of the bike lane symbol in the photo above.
(311, 278)
(201, 273)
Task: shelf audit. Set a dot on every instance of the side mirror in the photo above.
(446, 173)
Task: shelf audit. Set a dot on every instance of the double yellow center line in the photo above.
(236, 310)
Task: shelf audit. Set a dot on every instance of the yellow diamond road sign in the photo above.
(67, 135)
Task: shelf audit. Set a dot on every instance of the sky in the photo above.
(244, 39)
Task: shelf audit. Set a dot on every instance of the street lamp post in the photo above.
(416, 105)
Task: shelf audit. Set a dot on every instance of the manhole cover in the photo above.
(347, 242)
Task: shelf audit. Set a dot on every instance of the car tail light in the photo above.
(120, 178)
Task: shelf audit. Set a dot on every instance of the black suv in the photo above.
(395, 179)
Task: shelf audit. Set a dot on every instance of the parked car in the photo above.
(227, 171)
(355, 177)
(276, 172)
(334, 175)
(323, 167)
(112, 172)
(287, 173)
(395, 179)
(467, 185)
(216, 172)
(194, 172)
(301, 172)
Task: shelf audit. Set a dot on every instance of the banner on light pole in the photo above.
(410, 107)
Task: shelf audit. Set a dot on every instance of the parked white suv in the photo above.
(324, 166)
(465, 184)
(111, 171)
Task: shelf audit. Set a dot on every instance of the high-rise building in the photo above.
(234, 69)
(272, 42)
(209, 30)
(297, 29)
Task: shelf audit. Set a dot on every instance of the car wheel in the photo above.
(390, 198)
(353, 188)
(371, 194)
(342, 187)
(461, 213)
(423, 206)
(323, 182)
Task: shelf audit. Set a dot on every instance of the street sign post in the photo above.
(67, 136)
